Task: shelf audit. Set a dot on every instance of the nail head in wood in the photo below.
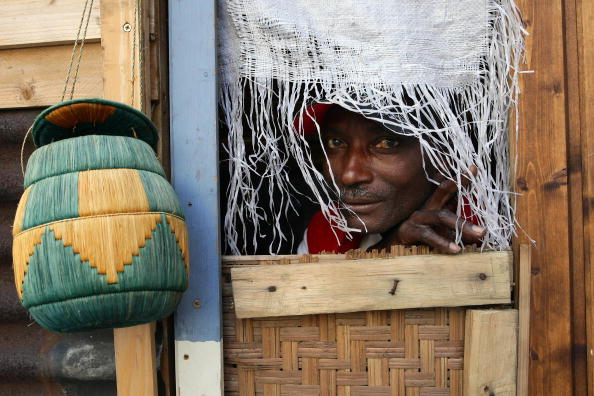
(393, 290)
(271, 288)
(482, 276)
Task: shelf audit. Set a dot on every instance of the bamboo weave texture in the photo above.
(414, 352)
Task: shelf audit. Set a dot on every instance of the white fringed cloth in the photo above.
(444, 71)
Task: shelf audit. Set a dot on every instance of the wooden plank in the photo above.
(585, 44)
(543, 207)
(118, 62)
(118, 45)
(576, 199)
(361, 285)
(523, 305)
(490, 347)
(34, 77)
(192, 65)
(135, 357)
(33, 23)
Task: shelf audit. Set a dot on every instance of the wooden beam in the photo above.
(523, 305)
(577, 180)
(136, 366)
(135, 360)
(117, 34)
(34, 77)
(33, 23)
(195, 174)
(543, 206)
(490, 348)
(585, 85)
(362, 285)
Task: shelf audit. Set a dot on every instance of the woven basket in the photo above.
(99, 235)
(399, 353)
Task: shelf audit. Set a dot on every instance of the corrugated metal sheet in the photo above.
(34, 361)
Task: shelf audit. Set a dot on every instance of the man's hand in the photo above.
(434, 224)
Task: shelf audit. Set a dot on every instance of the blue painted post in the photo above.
(194, 164)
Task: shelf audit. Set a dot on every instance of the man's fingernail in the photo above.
(454, 248)
(478, 229)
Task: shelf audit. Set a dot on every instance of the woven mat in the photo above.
(400, 352)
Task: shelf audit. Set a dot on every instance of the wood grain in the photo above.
(360, 285)
(543, 207)
(585, 44)
(118, 47)
(33, 23)
(523, 305)
(135, 357)
(576, 173)
(490, 352)
(34, 77)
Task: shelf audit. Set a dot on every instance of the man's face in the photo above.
(380, 174)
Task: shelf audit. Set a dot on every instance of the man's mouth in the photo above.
(361, 207)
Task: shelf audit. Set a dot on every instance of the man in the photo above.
(384, 189)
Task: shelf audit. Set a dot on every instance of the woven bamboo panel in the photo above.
(416, 352)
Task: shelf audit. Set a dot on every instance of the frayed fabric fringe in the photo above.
(460, 122)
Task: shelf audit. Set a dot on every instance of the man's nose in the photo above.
(356, 168)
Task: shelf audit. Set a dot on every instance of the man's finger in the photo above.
(442, 194)
(469, 230)
(427, 235)
(446, 190)
(444, 217)
(466, 179)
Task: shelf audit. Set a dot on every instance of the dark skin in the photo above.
(382, 181)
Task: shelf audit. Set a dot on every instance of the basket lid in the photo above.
(93, 116)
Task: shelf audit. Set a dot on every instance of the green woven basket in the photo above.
(99, 235)
(80, 117)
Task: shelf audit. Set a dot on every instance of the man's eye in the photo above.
(335, 143)
(387, 143)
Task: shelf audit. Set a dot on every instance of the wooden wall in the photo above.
(36, 39)
(555, 177)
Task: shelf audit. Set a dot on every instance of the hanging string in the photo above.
(141, 53)
(82, 44)
(23, 151)
(84, 20)
(79, 43)
(137, 40)
(86, 15)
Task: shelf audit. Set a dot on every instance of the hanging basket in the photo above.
(99, 235)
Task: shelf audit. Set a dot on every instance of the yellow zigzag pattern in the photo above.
(20, 212)
(23, 246)
(108, 242)
(179, 228)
